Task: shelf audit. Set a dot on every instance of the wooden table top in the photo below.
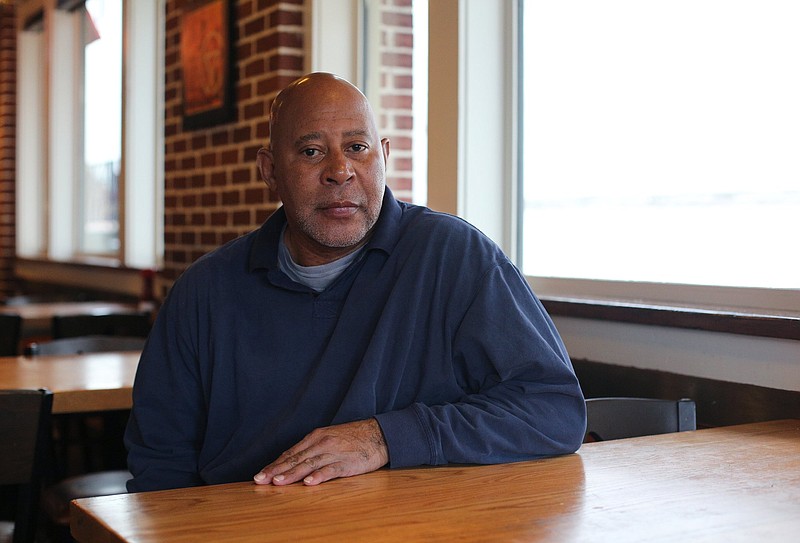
(80, 383)
(737, 483)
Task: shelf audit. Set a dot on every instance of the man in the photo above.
(348, 332)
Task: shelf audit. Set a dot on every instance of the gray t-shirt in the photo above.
(315, 277)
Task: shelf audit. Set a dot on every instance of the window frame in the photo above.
(44, 248)
(31, 226)
(460, 54)
(780, 304)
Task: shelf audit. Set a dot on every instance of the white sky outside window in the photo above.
(102, 125)
(661, 141)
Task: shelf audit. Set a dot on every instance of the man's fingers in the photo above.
(288, 471)
(327, 453)
(287, 463)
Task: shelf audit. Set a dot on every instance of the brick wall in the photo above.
(395, 119)
(8, 79)
(213, 192)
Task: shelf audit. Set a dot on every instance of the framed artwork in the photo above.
(206, 62)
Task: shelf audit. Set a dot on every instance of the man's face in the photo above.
(328, 167)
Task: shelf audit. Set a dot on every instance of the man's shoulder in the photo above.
(440, 227)
(440, 241)
(234, 249)
(226, 258)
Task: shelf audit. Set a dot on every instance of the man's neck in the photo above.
(307, 252)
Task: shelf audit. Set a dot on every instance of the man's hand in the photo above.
(327, 453)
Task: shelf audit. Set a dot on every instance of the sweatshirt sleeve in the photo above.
(522, 399)
(166, 425)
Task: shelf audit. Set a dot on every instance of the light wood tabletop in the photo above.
(738, 483)
(80, 383)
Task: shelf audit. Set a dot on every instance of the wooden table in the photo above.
(80, 383)
(740, 483)
(37, 317)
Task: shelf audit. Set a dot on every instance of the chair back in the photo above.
(114, 324)
(86, 344)
(25, 428)
(10, 329)
(618, 418)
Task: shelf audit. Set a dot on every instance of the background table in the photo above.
(37, 317)
(80, 383)
(740, 483)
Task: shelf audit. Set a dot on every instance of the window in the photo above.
(89, 150)
(101, 29)
(659, 145)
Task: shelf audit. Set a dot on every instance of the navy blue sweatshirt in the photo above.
(434, 332)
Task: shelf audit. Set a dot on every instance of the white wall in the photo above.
(773, 363)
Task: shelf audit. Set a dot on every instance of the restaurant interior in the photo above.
(92, 250)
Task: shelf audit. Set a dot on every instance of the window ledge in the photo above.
(781, 326)
(95, 274)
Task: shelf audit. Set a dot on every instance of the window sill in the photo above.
(105, 275)
(783, 326)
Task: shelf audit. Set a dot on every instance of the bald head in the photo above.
(313, 88)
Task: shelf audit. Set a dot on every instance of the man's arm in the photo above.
(168, 414)
(522, 399)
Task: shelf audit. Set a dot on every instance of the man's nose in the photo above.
(339, 169)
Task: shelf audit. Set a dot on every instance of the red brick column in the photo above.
(396, 120)
(8, 123)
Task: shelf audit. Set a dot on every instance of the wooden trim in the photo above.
(118, 280)
(712, 320)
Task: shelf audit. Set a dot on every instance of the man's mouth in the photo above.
(341, 209)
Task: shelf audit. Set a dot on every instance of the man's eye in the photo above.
(310, 152)
(358, 147)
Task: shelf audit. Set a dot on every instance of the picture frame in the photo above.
(206, 63)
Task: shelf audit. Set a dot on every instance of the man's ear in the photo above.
(385, 148)
(267, 167)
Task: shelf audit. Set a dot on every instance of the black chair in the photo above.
(85, 344)
(88, 432)
(56, 498)
(25, 430)
(10, 329)
(114, 324)
(619, 418)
